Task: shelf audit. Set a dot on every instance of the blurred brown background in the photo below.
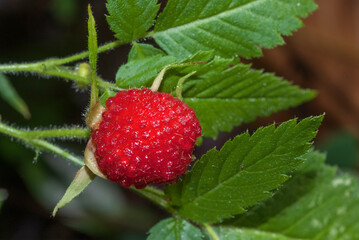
(323, 55)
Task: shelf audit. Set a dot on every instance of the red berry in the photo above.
(145, 137)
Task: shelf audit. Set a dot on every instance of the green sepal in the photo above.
(83, 178)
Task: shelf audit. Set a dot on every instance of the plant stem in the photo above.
(59, 133)
(79, 56)
(42, 144)
(55, 61)
(211, 232)
(156, 196)
(33, 141)
(52, 67)
(46, 69)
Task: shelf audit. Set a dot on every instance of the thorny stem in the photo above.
(211, 232)
(32, 138)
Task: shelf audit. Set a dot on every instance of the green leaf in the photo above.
(231, 27)
(244, 172)
(130, 20)
(315, 204)
(92, 41)
(9, 94)
(141, 70)
(174, 229)
(138, 73)
(224, 97)
(141, 51)
(92, 46)
(230, 233)
(223, 92)
(83, 178)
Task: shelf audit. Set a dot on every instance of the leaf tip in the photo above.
(54, 211)
(89, 10)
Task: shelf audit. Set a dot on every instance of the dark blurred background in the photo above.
(324, 55)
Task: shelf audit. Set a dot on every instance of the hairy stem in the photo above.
(59, 133)
(156, 196)
(55, 61)
(79, 56)
(32, 139)
(43, 68)
(52, 67)
(46, 146)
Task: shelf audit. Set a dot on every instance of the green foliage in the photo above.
(245, 171)
(141, 72)
(92, 41)
(228, 233)
(268, 185)
(223, 92)
(185, 27)
(141, 51)
(230, 27)
(174, 229)
(130, 20)
(225, 97)
(108, 93)
(92, 47)
(9, 94)
(316, 203)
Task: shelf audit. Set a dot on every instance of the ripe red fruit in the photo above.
(145, 137)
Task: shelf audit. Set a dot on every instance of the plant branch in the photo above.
(39, 143)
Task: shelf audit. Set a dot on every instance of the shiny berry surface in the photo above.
(145, 137)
